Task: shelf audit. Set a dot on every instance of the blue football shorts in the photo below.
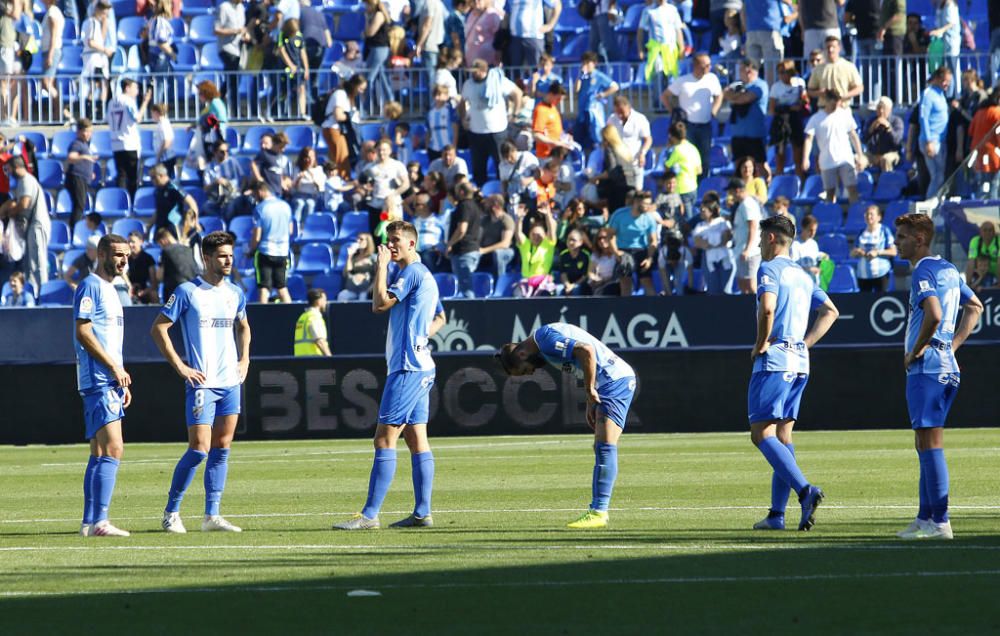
(406, 398)
(929, 398)
(616, 397)
(775, 395)
(203, 405)
(101, 407)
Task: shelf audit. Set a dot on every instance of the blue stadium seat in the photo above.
(192, 8)
(717, 183)
(786, 185)
(202, 29)
(893, 211)
(60, 144)
(144, 204)
(890, 186)
(208, 58)
(332, 54)
(341, 263)
(482, 284)
(60, 239)
(844, 280)
(570, 21)
(50, 174)
(124, 227)
(810, 191)
(421, 157)
(297, 287)
(251, 139)
(70, 33)
(64, 204)
(180, 29)
(494, 186)
(299, 136)
(315, 258)
(854, 224)
(56, 292)
(349, 26)
(37, 138)
(67, 261)
(211, 224)
(187, 58)
(81, 233)
(101, 142)
(320, 227)
(241, 226)
(330, 283)
(659, 127)
(182, 141)
(71, 62)
(352, 224)
(504, 287)
(130, 30)
(718, 159)
(447, 284)
(112, 202)
(371, 131)
(198, 194)
(834, 245)
(829, 215)
(249, 284)
(573, 48)
(866, 185)
(53, 267)
(631, 21)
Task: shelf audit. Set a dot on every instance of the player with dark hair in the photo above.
(932, 373)
(208, 308)
(102, 381)
(415, 315)
(785, 295)
(609, 383)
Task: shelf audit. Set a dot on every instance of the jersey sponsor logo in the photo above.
(426, 381)
(948, 378)
(561, 346)
(788, 376)
(925, 286)
(170, 303)
(86, 305)
(216, 323)
(765, 279)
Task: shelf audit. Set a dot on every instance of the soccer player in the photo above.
(415, 315)
(785, 295)
(610, 384)
(932, 374)
(102, 380)
(208, 308)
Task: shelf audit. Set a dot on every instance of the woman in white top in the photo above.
(98, 48)
(874, 248)
(602, 276)
(342, 115)
(713, 235)
(307, 185)
(786, 104)
(163, 139)
(385, 176)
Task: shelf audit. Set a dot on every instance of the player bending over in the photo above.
(415, 315)
(102, 380)
(932, 374)
(208, 308)
(610, 384)
(786, 294)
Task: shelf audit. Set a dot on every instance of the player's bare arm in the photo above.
(160, 335)
(439, 321)
(243, 344)
(932, 319)
(85, 335)
(382, 300)
(765, 322)
(826, 315)
(970, 318)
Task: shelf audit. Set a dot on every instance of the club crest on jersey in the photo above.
(170, 303)
(765, 279)
(561, 346)
(925, 286)
(86, 305)
(426, 381)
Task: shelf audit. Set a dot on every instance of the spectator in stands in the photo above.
(431, 230)
(547, 124)
(543, 76)
(748, 170)
(695, 99)
(177, 264)
(307, 185)
(917, 38)
(883, 135)
(98, 35)
(730, 43)
(518, 173)
(874, 248)
(464, 235)
(673, 257)
(367, 157)
(619, 176)
(602, 39)
(29, 203)
(481, 26)
(934, 127)
(712, 235)
(350, 64)
(834, 130)
(982, 130)
(80, 168)
(819, 20)
(430, 33)
(213, 120)
(787, 104)
(685, 162)
(285, 10)
(592, 88)
(981, 277)
(664, 47)
(892, 27)
(987, 244)
(317, 36)
(402, 149)
(604, 269)
(163, 139)
(746, 235)
(572, 218)
(454, 25)
(948, 27)
(342, 116)
(83, 264)
(763, 20)
(124, 117)
(449, 63)
(633, 128)
(636, 233)
(528, 25)
(190, 232)
(231, 34)
(495, 249)
(969, 101)
(377, 24)
(442, 123)
(268, 165)
(336, 186)
(484, 112)
(574, 265)
(385, 176)
(836, 74)
(53, 24)
(537, 250)
(159, 40)
(805, 251)
(18, 296)
(142, 271)
(291, 57)
(359, 271)
(748, 122)
(171, 202)
(269, 242)
(222, 181)
(258, 27)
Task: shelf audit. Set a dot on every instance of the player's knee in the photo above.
(114, 449)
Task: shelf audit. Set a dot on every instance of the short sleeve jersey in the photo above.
(797, 295)
(96, 300)
(274, 218)
(407, 341)
(556, 342)
(123, 121)
(934, 276)
(207, 314)
(632, 232)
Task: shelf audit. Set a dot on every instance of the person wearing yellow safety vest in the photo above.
(310, 329)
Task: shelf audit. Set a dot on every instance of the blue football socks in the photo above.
(780, 488)
(605, 473)
(88, 490)
(423, 482)
(935, 470)
(216, 469)
(924, 512)
(183, 474)
(783, 463)
(105, 474)
(383, 470)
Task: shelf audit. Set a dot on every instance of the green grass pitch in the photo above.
(679, 556)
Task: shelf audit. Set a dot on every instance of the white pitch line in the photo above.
(679, 580)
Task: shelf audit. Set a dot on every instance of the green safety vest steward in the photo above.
(308, 329)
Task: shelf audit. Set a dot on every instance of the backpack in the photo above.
(318, 110)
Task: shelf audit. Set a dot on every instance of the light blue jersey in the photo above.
(97, 300)
(274, 218)
(797, 295)
(406, 343)
(934, 276)
(556, 341)
(207, 314)
(440, 120)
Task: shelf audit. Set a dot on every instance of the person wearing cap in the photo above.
(748, 123)
(546, 122)
(29, 202)
(83, 264)
(746, 235)
(484, 110)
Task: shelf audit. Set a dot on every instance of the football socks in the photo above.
(780, 489)
(783, 463)
(383, 470)
(935, 469)
(88, 490)
(103, 487)
(216, 469)
(183, 474)
(423, 482)
(605, 473)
